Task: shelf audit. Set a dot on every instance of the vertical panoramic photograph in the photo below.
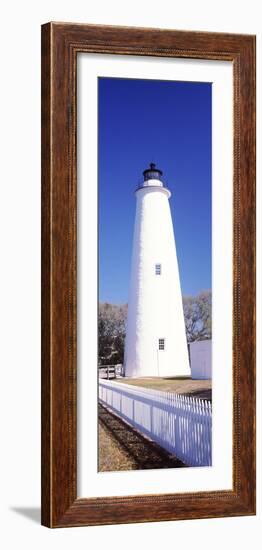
(154, 274)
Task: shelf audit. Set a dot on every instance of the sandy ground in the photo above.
(124, 448)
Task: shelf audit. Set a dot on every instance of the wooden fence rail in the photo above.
(180, 424)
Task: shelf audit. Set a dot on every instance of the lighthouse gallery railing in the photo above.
(180, 424)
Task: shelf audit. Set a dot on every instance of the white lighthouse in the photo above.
(156, 339)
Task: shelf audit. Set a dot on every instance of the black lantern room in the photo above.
(152, 173)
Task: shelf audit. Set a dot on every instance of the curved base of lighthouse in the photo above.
(156, 339)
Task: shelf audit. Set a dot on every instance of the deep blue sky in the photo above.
(169, 123)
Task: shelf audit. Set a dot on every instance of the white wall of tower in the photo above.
(155, 302)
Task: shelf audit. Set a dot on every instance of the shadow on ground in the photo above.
(200, 394)
(34, 514)
(146, 454)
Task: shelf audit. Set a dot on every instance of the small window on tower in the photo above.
(158, 269)
(161, 343)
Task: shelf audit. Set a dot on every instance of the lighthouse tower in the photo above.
(156, 339)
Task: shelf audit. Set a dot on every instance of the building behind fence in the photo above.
(200, 353)
(180, 424)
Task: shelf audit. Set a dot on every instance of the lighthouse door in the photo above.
(161, 356)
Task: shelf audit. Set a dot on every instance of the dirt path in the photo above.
(123, 448)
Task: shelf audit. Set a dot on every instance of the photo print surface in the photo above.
(155, 291)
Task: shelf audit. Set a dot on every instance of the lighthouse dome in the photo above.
(152, 173)
(152, 181)
(152, 176)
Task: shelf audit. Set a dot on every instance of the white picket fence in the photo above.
(180, 424)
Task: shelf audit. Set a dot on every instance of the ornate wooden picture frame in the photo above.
(61, 43)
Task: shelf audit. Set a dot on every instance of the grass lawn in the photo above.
(183, 385)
